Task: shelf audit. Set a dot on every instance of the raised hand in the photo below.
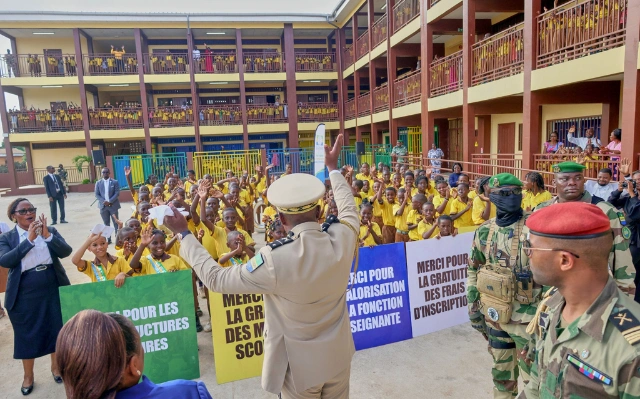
(33, 230)
(147, 236)
(625, 166)
(45, 230)
(127, 170)
(331, 155)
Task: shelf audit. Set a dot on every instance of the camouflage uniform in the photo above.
(507, 341)
(596, 356)
(620, 262)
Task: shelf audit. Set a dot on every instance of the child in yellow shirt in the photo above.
(158, 261)
(481, 202)
(237, 256)
(415, 216)
(104, 266)
(370, 234)
(460, 211)
(442, 200)
(276, 230)
(356, 188)
(377, 212)
(385, 206)
(428, 226)
(127, 238)
(401, 211)
(445, 225)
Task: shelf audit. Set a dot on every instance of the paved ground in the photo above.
(452, 363)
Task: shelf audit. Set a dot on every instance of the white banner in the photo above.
(318, 163)
(437, 276)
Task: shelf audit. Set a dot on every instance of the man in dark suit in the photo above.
(56, 193)
(107, 192)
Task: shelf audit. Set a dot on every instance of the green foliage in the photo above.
(86, 181)
(79, 161)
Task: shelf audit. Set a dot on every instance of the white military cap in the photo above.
(295, 193)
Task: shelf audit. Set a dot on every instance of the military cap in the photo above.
(296, 193)
(569, 220)
(504, 179)
(568, 167)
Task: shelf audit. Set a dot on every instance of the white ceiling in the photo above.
(29, 32)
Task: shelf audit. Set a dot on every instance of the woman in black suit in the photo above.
(31, 252)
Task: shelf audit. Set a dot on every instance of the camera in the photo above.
(626, 184)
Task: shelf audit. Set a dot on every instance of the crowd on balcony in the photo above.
(317, 111)
(263, 63)
(45, 120)
(314, 62)
(209, 62)
(211, 116)
(116, 62)
(35, 65)
(120, 115)
(266, 112)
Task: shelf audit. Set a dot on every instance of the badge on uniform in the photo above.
(588, 371)
(255, 263)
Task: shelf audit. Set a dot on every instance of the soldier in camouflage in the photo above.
(497, 245)
(570, 181)
(586, 333)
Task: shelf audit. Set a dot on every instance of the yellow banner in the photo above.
(237, 323)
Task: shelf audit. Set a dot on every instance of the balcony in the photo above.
(348, 56)
(565, 36)
(264, 62)
(109, 64)
(115, 118)
(316, 62)
(362, 45)
(498, 56)
(212, 62)
(160, 117)
(265, 113)
(166, 63)
(381, 98)
(407, 89)
(364, 105)
(220, 115)
(404, 12)
(317, 112)
(350, 109)
(446, 74)
(379, 31)
(33, 65)
(37, 121)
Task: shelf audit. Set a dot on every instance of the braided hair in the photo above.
(536, 179)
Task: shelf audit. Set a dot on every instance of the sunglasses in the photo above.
(528, 249)
(25, 211)
(508, 192)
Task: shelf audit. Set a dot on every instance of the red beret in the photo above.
(569, 220)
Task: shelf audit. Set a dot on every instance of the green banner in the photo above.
(161, 308)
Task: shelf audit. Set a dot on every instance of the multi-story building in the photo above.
(480, 78)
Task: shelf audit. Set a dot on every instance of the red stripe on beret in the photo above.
(569, 220)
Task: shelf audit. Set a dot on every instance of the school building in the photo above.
(482, 79)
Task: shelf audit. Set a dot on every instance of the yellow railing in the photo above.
(217, 163)
(414, 139)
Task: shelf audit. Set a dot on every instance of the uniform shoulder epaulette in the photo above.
(331, 219)
(627, 323)
(280, 242)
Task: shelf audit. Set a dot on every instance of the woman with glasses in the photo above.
(31, 251)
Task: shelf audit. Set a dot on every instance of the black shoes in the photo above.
(27, 390)
(63, 221)
(53, 224)
(57, 378)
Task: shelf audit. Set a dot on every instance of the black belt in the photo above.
(498, 333)
(39, 268)
(501, 345)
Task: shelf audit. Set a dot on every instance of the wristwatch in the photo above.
(183, 235)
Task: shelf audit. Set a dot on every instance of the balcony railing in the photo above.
(498, 56)
(404, 12)
(381, 98)
(109, 64)
(362, 45)
(317, 112)
(34, 65)
(166, 63)
(115, 118)
(170, 116)
(350, 109)
(209, 62)
(73, 175)
(364, 105)
(264, 62)
(446, 74)
(348, 56)
(265, 113)
(220, 115)
(407, 89)
(593, 163)
(312, 62)
(31, 121)
(577, 30)
(379, 31)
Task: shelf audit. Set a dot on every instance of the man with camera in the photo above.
(569, 180)
(626, 198)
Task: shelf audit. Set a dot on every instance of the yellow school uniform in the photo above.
(211, 239)
(235, 260)
(423, 227)
(369, 241)
(221, 240)
(362, 177)
(531, 200)
(413, 218)
(103, 273)
(388, 217)
(478, 208)
(154, 266)
(120, 254)
(358, 200)
(465, 220)
(377, 211)
(438, 200)
(401, 221)
(270, 212)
